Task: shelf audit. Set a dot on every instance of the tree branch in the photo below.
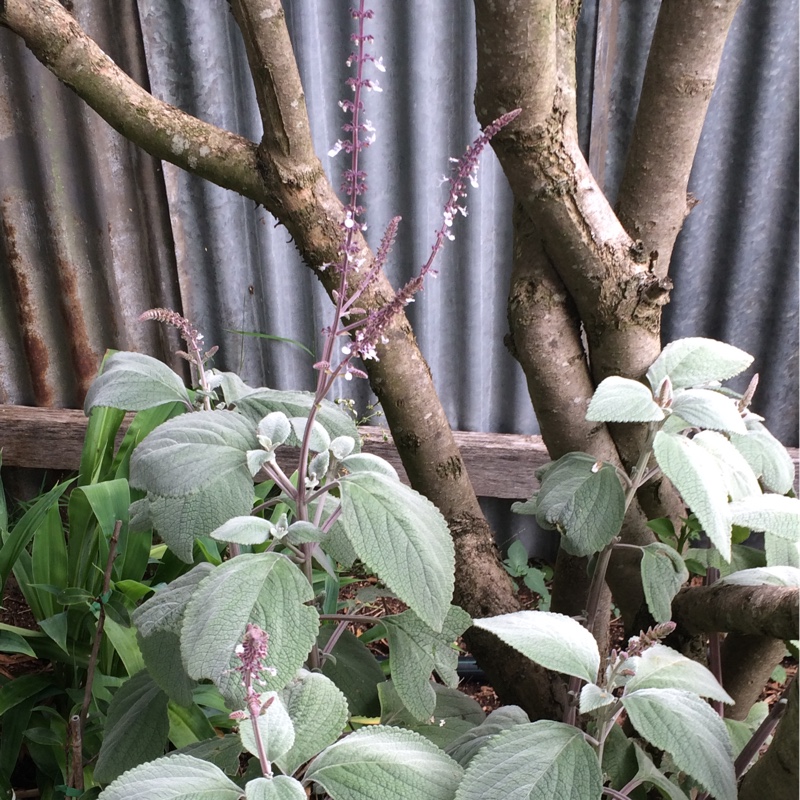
(747, 662)
(681, 73)
(57, 40)
(760, 610)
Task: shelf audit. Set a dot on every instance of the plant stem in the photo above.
(80, 726)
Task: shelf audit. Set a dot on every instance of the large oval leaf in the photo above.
(264, 588)
(693, 361)
(134, 382)
(690, 731)
(661, 667)
(663, 573)
(694, 472)
(538, 761)
(275, 728)
(176, 777)
(403, 537)
(740, 480)
(772, 513)
(555, 641)
(705, 408)
(767, 457)
(390, 763)
(194, 470)
(278, 788)
(623, 400)
(318, 711)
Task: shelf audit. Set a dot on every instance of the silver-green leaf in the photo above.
(694, 473)
(738, 475)
(244, 530)
(690, 731)
(280, 787)
(194, 470)
(623, 400)
(774, 513)
(469, 744)
(538, 761)
(318, 711)
(176, 777)
(403, 537)
(661, 667)
(265, 589)
(555, 641)
(695, 361)
(417, 651)
(771, 576)
(274, 726)
(663, 573)
(392, 763)
(134, 382)
(704, 408)
(767, 457)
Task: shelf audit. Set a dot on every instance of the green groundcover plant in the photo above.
(248, 647)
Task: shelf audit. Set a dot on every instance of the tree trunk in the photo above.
(775, 775)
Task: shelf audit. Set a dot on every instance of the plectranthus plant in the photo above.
(734, 477)
(263, 499)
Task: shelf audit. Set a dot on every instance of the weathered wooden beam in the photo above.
(499, 465)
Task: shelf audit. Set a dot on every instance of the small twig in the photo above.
(714, 656)
(77, 742)
(331, 643)
(76, 753)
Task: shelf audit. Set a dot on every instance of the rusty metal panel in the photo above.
(85, 237)
(95, 232)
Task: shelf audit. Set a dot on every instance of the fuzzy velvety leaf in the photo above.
(774, 513)
(175, 777)
(704, 408)
(256, 404)
(766, 456)
(771, 576)
(244, 530)
(134, 382)
(280, 787)
(661, 667)
(663, 573)
(404, 539)
(694, 473)
(265, 589)
(740, 480)
(690, 731)
(558, 481)
(693, 361)
(136, 727)
(274, 725)
(385, 762)
(623, 400)
(781, 552)
(467, 746)
(222, 751)
(368, 462)
(318, 711)
(538, 761)
(555, 641)
(594, 697)
(319, 439)
(417, 650)
(454, 713)
(194, 470)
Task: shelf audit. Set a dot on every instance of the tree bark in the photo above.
(775, 775)
(754, 610)
(681, 74)
(747, 663)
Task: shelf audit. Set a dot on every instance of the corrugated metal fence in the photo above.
(94, 231)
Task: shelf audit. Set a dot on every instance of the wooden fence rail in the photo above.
(499, 465)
